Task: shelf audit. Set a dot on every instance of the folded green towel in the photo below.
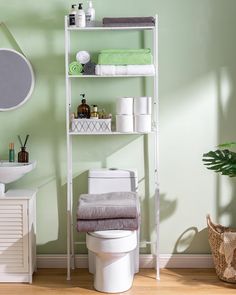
(142, 50)
(75, 68)
(125, 57)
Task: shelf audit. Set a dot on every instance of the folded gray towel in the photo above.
(128, 20)
(109, 205)
(107, 224)
(147, 24)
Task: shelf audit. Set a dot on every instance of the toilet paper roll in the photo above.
(143, 105)
(124, 123)
(143, 123)
(124, 106)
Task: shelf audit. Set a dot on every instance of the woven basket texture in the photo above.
(215, 236)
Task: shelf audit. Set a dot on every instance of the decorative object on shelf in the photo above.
(128, 21)
(91, 125)
(102, 114)
(94, 112)
(75, 68)
(23, 155)
(83, 110)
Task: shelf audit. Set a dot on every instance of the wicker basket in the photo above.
(215, 236)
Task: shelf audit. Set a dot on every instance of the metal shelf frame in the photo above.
(70, 135)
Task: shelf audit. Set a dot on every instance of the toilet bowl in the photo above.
(114, 259)
(113, 254)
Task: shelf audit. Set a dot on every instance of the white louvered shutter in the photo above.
(13, 236)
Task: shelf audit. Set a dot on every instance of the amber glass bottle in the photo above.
(83, 110)
(94, 112)
(23, 156)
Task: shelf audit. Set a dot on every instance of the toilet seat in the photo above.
(111, 234)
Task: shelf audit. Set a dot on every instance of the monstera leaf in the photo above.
(227, 145)
(222, 161)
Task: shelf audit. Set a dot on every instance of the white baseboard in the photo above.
(146, 261)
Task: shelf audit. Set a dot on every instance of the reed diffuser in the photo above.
(23, 155)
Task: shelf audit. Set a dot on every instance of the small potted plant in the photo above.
(222, 239)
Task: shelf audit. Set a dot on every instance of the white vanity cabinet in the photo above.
(18, 236)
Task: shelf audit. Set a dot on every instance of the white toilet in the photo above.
(113, 254)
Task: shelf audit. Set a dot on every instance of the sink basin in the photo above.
(12, 171)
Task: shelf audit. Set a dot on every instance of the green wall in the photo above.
(197, 73)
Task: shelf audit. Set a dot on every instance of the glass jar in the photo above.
(23, 156)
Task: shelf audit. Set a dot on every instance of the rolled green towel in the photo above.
(75, 68)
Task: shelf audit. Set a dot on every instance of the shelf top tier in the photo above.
(98, 26)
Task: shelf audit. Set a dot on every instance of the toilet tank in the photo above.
(112, 180)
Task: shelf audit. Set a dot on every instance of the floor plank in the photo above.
(173, 281)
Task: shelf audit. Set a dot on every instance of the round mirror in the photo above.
(16, 79)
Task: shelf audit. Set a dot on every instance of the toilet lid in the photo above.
(111, 234)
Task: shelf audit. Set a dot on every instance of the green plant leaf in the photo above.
(227, 145)
(221, 161)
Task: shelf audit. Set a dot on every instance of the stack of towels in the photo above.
(109, 211)
(125, 62)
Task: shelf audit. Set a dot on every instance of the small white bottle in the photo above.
(90, 13)
(72, 15)
(80, 19)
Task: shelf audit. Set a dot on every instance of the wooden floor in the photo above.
(173, 281)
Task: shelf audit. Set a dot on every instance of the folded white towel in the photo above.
(112, 70)
(83, 57)
(140, 70)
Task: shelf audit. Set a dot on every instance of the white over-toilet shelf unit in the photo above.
(70, 134)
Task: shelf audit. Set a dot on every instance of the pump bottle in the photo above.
(80, 19)
(72, 15)
(90, 13)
